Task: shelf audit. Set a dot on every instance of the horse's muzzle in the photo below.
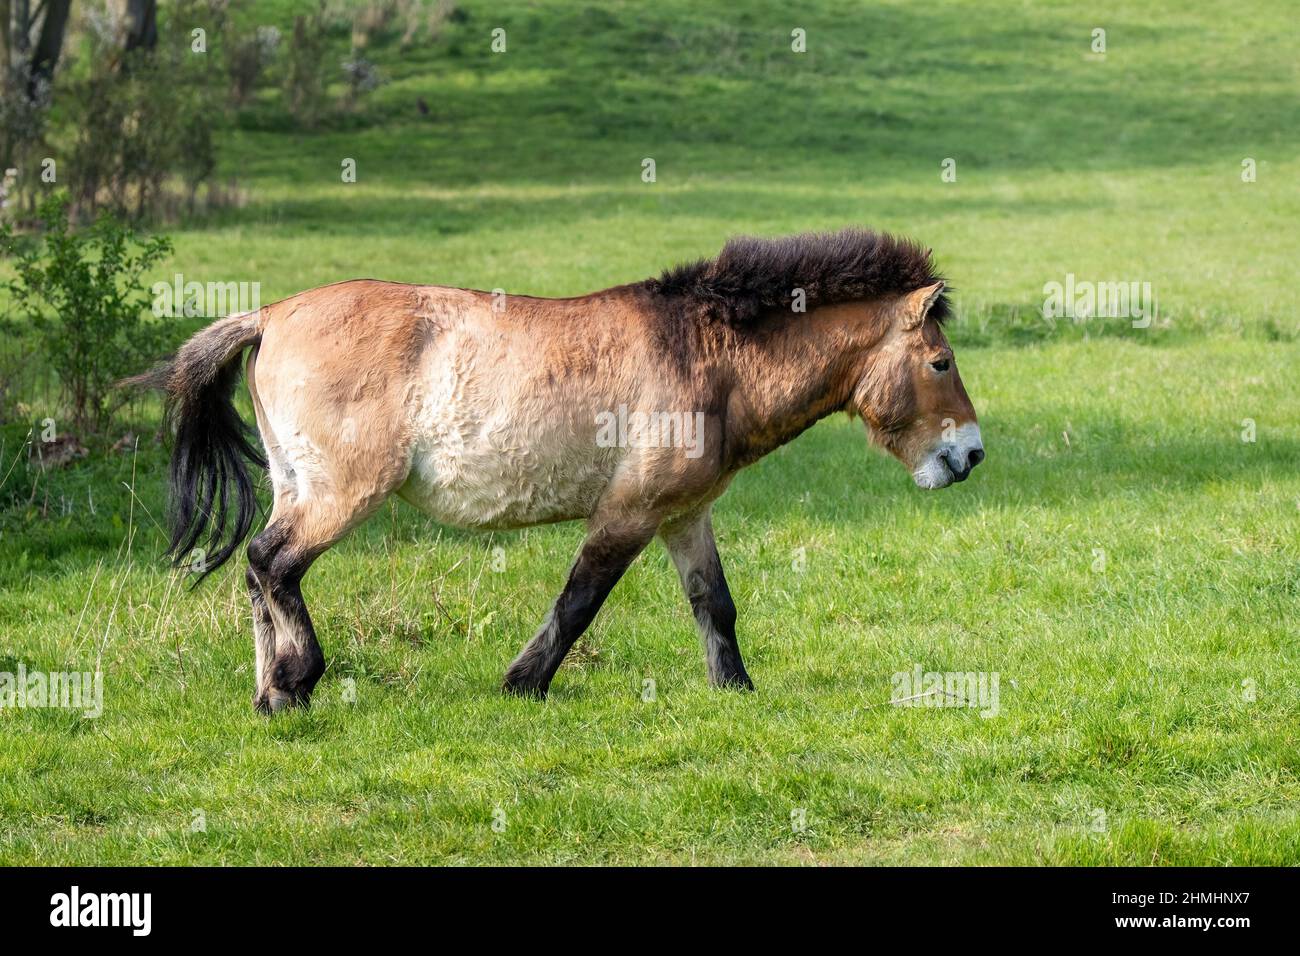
(951, 462)
(961, 469)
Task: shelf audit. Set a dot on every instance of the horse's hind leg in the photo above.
(336, 445)
(307, 518)
(291, 663)
(287, 670)
(263, 640)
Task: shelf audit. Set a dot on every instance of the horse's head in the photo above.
(912, 400)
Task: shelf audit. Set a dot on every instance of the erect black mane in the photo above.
(753, 277)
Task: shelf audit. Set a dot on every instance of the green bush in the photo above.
(135, 122)
(305, 79)
(83, 295)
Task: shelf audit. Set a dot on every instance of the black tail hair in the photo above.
(210, 489)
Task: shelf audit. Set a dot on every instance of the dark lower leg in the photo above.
(604, 556)
(715, 613)
(263, 640)
(694, 552)
(298, 662)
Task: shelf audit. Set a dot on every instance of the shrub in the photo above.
(371, 21)
(361, 76)
(24, 110)
(427, 16)
(304, 82)
(83, 294)
(15, 369)
(247, 58)
(137, 120)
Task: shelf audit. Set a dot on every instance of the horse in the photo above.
(631, 408)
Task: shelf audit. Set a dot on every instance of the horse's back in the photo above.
(482, 410)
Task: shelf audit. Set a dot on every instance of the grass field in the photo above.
(1124, 561)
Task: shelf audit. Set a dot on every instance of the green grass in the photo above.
(1125, 733)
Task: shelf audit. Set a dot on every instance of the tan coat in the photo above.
(631, 408)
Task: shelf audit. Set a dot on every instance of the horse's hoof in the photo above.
(735, 682)
(522, 687)
(272, 701)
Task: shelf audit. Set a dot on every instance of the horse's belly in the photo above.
(498, 476)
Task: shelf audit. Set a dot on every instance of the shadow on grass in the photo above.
(391, 215)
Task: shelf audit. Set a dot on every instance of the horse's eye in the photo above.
(940, 366)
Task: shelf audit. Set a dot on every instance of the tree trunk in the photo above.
(6, 26)
(22, 25)
(6, 71)
(142, 24)
(50, 43)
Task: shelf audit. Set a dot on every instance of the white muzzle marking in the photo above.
(950, 461)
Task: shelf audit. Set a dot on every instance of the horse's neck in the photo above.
(788, 380)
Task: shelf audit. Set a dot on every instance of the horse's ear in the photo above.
(917, 305)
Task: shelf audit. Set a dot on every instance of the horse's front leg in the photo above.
(610, 547)
(694, 552)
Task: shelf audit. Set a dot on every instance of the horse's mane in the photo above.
(753, 277)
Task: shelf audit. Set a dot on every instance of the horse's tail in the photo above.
(209, 476)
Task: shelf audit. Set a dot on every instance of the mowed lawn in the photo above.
(1126, 561)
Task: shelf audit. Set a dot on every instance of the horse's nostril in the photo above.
(976, 456)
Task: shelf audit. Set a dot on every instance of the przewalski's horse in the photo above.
(630, 408)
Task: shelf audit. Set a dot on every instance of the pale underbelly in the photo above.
(485, 487)
(497, 444)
